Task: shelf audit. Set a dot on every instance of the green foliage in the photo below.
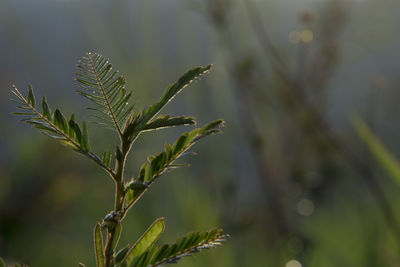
(2, 264)
(118, 231)
(143, 120)
(164, 161)
(106, 89)
(166, 121)
(388, 162)
(55, 125)
(185, 246)
(151, 235)
(98, 245)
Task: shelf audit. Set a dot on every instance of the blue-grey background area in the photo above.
(51, 198)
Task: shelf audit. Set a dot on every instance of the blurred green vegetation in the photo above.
(289, 179)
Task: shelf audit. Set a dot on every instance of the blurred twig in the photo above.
(301, 106)
(239, 73)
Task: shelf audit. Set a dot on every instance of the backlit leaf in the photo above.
(77, 131)
(146, 240)
(85, 138)
(105, 88)
(185, 246)
(165, 121)
(31, 97)
(121, 254)
(117, 235)
(141, 120)
(45, 109)
(98, 245)
(59, 121)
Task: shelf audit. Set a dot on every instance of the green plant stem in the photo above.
(119, 185)
(108, 250)
(118, 205)
(127, 208)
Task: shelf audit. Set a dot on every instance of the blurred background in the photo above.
(290, 179)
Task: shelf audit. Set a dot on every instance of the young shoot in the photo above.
(113, 109)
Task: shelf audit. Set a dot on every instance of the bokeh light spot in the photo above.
(293, 263)
(306, 36)
(305, 207)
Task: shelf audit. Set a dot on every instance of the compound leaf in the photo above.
(165, 121)
(146, 240)
(53, 125)
(174, 89)
(138, 122)
(164, 161)
(185, 246)
(105, 88)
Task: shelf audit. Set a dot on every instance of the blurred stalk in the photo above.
(310, 118)
(239, 70)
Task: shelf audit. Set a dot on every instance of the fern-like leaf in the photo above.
(140, 121)
(165, 121)
(164, 161)
(55, 125)
(185, 246)
(105, 88)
